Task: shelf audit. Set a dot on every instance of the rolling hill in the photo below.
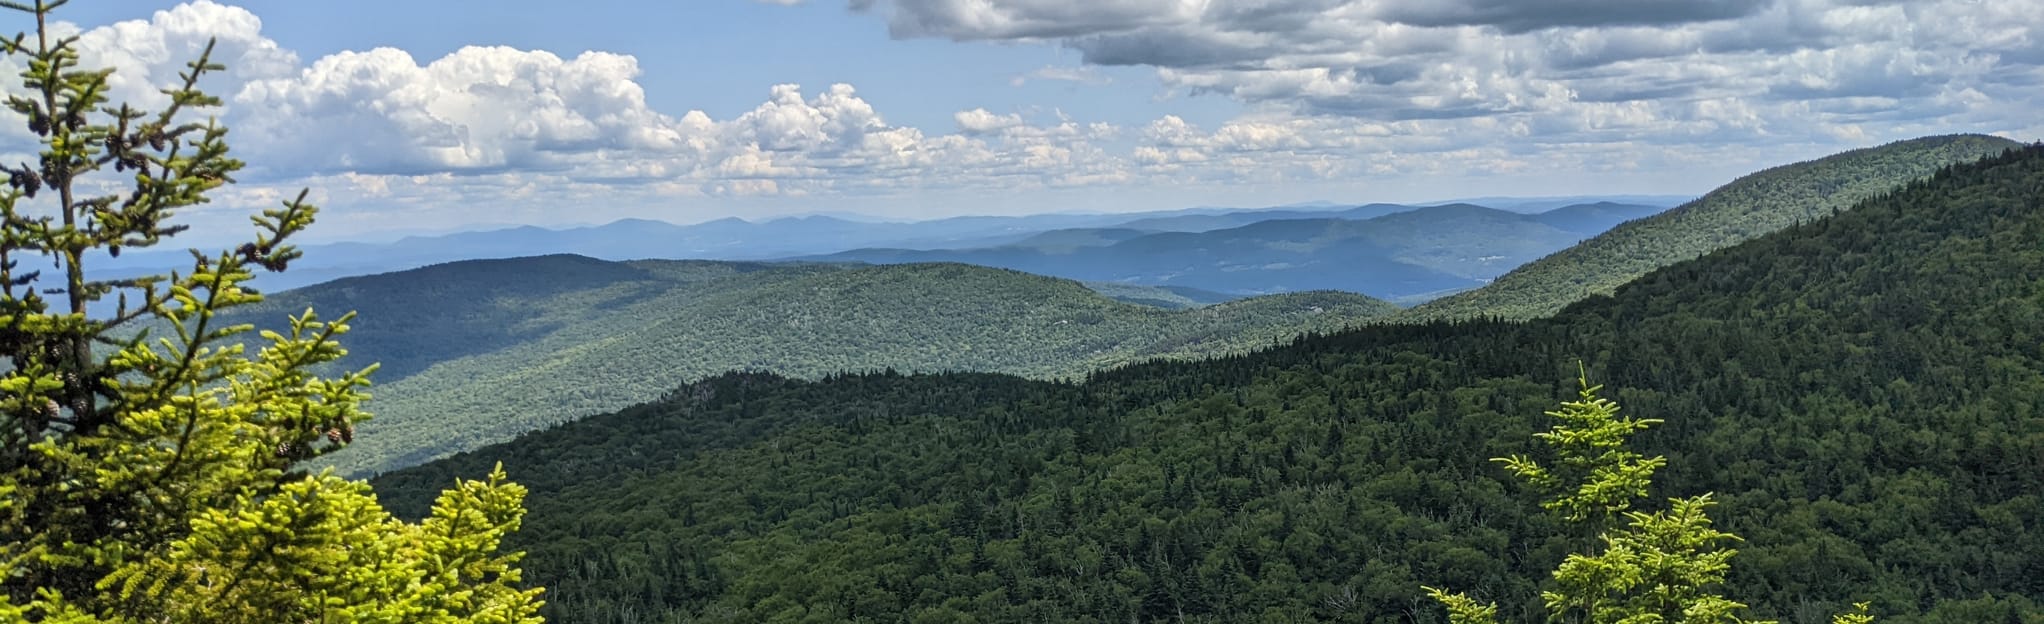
(476, 352)
(1396, 253)
(1748, 207)
(1861, 392)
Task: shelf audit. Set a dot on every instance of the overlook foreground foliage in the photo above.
(150, 478)
(1862, 392)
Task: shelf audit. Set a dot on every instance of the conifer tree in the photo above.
(148, 453)
(1662, 567)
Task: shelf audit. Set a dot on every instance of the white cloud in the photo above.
(476, 109)
(138, 51)
(979, 121)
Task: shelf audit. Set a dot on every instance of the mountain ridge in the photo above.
(1745, 208)
(1401, 253)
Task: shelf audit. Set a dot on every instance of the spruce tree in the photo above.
(1661, 567)
(148, 454)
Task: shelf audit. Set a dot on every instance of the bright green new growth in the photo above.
(1659, 568)
(1593, 460)
(154, 481)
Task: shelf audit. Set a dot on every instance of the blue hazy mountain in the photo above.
(739, 239)
(1394, 252)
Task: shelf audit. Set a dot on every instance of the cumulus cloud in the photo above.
(148, 55)
(476, 109)
(979, 121)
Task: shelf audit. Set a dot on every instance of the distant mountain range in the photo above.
(1389, 251)
(1544, 204)
(728, 239)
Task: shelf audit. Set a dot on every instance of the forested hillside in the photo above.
(477, 352)
(1864, 393)
(1741, 210)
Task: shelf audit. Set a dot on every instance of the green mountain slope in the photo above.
(1741, 210)
(477, 352)
(1862, 393)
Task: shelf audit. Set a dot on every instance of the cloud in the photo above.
(383, 124)
(1084, 75)
(1332, 91)
(477, 109)
(1028, 19)
(979, 121)
(1528, 15)
(1391, 60)
(137, 49)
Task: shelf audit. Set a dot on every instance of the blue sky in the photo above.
(721, 56)
(404, 116)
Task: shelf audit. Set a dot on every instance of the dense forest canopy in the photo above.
(1863, 393)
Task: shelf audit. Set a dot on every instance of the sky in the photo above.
(403, 116)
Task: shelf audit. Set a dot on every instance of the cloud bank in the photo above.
(1331, 89)
(1745, 66)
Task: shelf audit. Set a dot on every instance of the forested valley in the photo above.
(1861, 391)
